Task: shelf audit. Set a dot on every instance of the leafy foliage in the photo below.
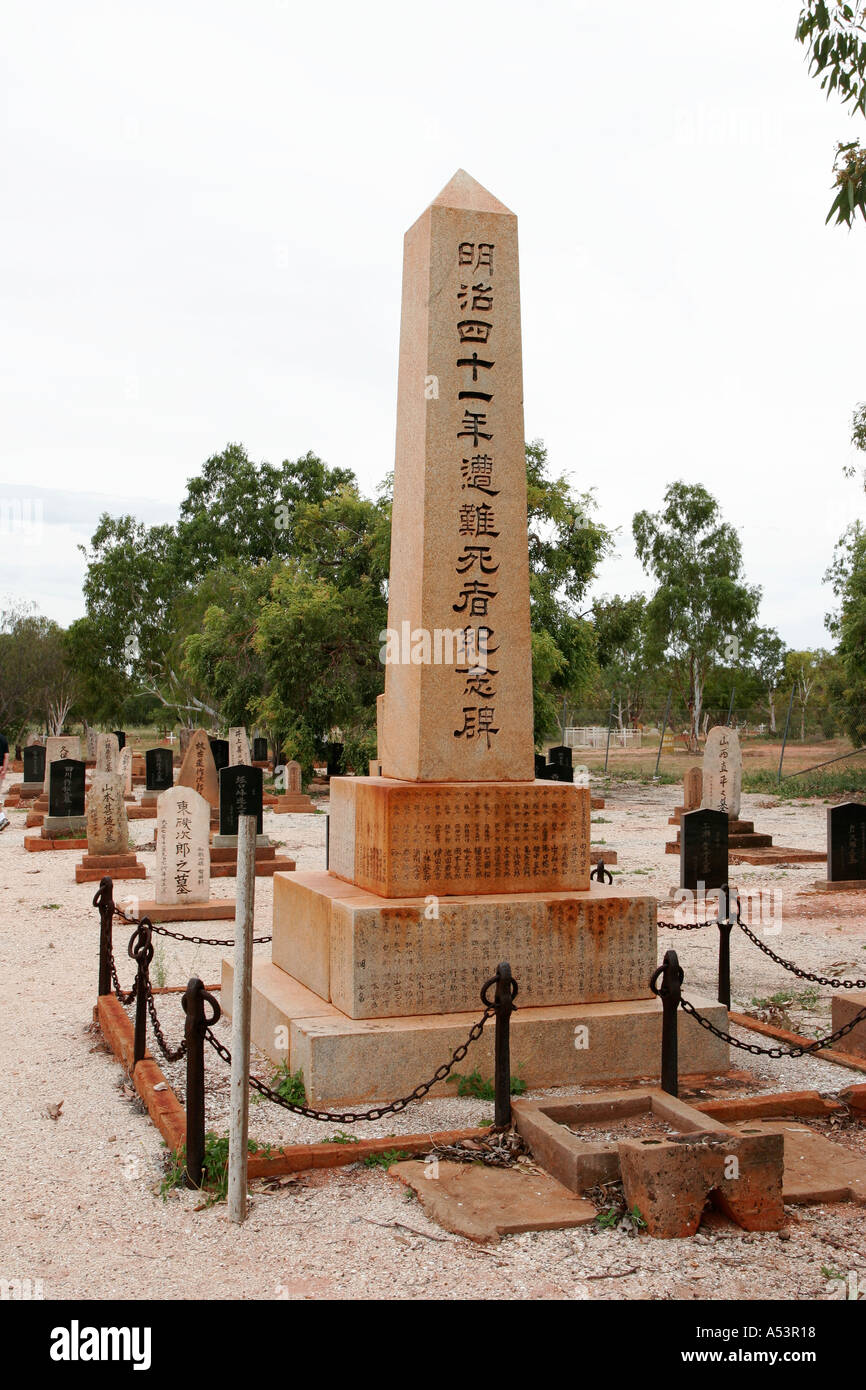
(833, 33)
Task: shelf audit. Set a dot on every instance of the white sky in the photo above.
(203, 207)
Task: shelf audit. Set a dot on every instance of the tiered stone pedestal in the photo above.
(216, 910)
(35, 844)
(26, 792)
(294, 803)
(224, 862)
(93, 867)
(741, 835)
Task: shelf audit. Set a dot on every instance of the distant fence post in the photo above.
(609, 727)
(664, 729)
(785, 735)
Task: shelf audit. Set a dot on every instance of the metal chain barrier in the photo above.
(795, 969)
(350, 1117)
(685, 926)
(775, 1052)
(179, 936)
(169, 1053)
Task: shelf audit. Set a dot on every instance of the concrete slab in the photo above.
(484, 1204)
(815, 1169)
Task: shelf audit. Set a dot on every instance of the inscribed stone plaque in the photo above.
(62, 746)
(182, 872)
(91, 743)
(240, 795)
(66, 789)
(293, 777)
(260, 750)
(107, 828)
(34, 763)
(239, 748)
(107, 753)
(722, 772)
(198, 769)
(121, 739)
(158, 769)
(124, 767)
(846, 841)
(560, 755)
(703, 850)
(693, 789)
(458, 671)
(219, 748)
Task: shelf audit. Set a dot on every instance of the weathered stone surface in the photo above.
(56, 749)
(239, 747)
(484, 1203)
(90, 739)
(182, 870)
(722, 772)
(124, 767)
(378, 958)
(845, 1006)
(198, 769)
(816, 1169)
(459, 552)
(693, 789)
(107, 753)
(293, 783)
(107, 828)
(404, 839)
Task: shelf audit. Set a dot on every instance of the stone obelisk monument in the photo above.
(455, 857)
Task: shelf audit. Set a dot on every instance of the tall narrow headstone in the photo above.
(703, 850)
(239, 748)
(107, 828)
(34, 764)
(56, 748)
(260, 750)
(722, 772)
(121, 739)
(91, 743)
(458, 675)
(219, 748)
(66, 788)
(560, 768)
(240, 795)
(107, 753)
(293, 777)
(158, 769)
(846, 842)
(693, 789)
(124, 767)
(182, 871)
(198, 769)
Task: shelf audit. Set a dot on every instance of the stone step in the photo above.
(217, 910)
(265, 868)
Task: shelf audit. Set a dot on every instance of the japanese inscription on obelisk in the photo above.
(458, 691)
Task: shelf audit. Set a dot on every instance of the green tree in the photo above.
(847, 575)
(833, 32)
(621, 637)
(37, 682)
(701, 602)
(766, 652)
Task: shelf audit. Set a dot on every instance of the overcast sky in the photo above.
(203, 207)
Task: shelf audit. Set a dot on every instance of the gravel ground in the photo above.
(80, 1206)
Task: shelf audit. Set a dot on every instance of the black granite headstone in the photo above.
(220, 749)
(846, 842)
(240, 795)
(334, 755)
(703, 850)
(66, 788)
(560, 756)
(260, 750)
(34, 763)
(158, 769)
(541, 766)
(121, 738)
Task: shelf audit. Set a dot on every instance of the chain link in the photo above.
(179, 936)
(796, 969)
(169, 1053)
(350, 1117)
(685, 926)
(121, 995)
(775, 1052)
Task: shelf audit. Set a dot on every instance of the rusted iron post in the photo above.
(725, 925)
(671, 976)
(505, 993)
(141, 951)
(197, 1024)
(104, 901)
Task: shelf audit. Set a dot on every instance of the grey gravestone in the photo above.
(846, 842)
(220, 749)
(260, 750)
(703, 850)
(34, 763)
(158, 769)
(66, 788)
(121, 738)
(240, 795)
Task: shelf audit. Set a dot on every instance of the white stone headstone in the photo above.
(723, 772)
(239, 748)
(182, 872)
(63, 746)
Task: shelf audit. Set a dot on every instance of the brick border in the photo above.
(828, 1054)
(169, 1117)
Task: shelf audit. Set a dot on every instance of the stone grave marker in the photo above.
(703, 850)
(124, 767)
(541, 767)
(240, 795)
(91, 743)
(198, 769)
(260, 750)
(34, 765)
(693, 789)
(219, 748)
(239, 748)
(56, 748)
(293, 778)
(846, 842)
(560, 768)
(107, 828)
(722, 772)
(158, 769)
(182, 871)
(107, 753)
(66, 789)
